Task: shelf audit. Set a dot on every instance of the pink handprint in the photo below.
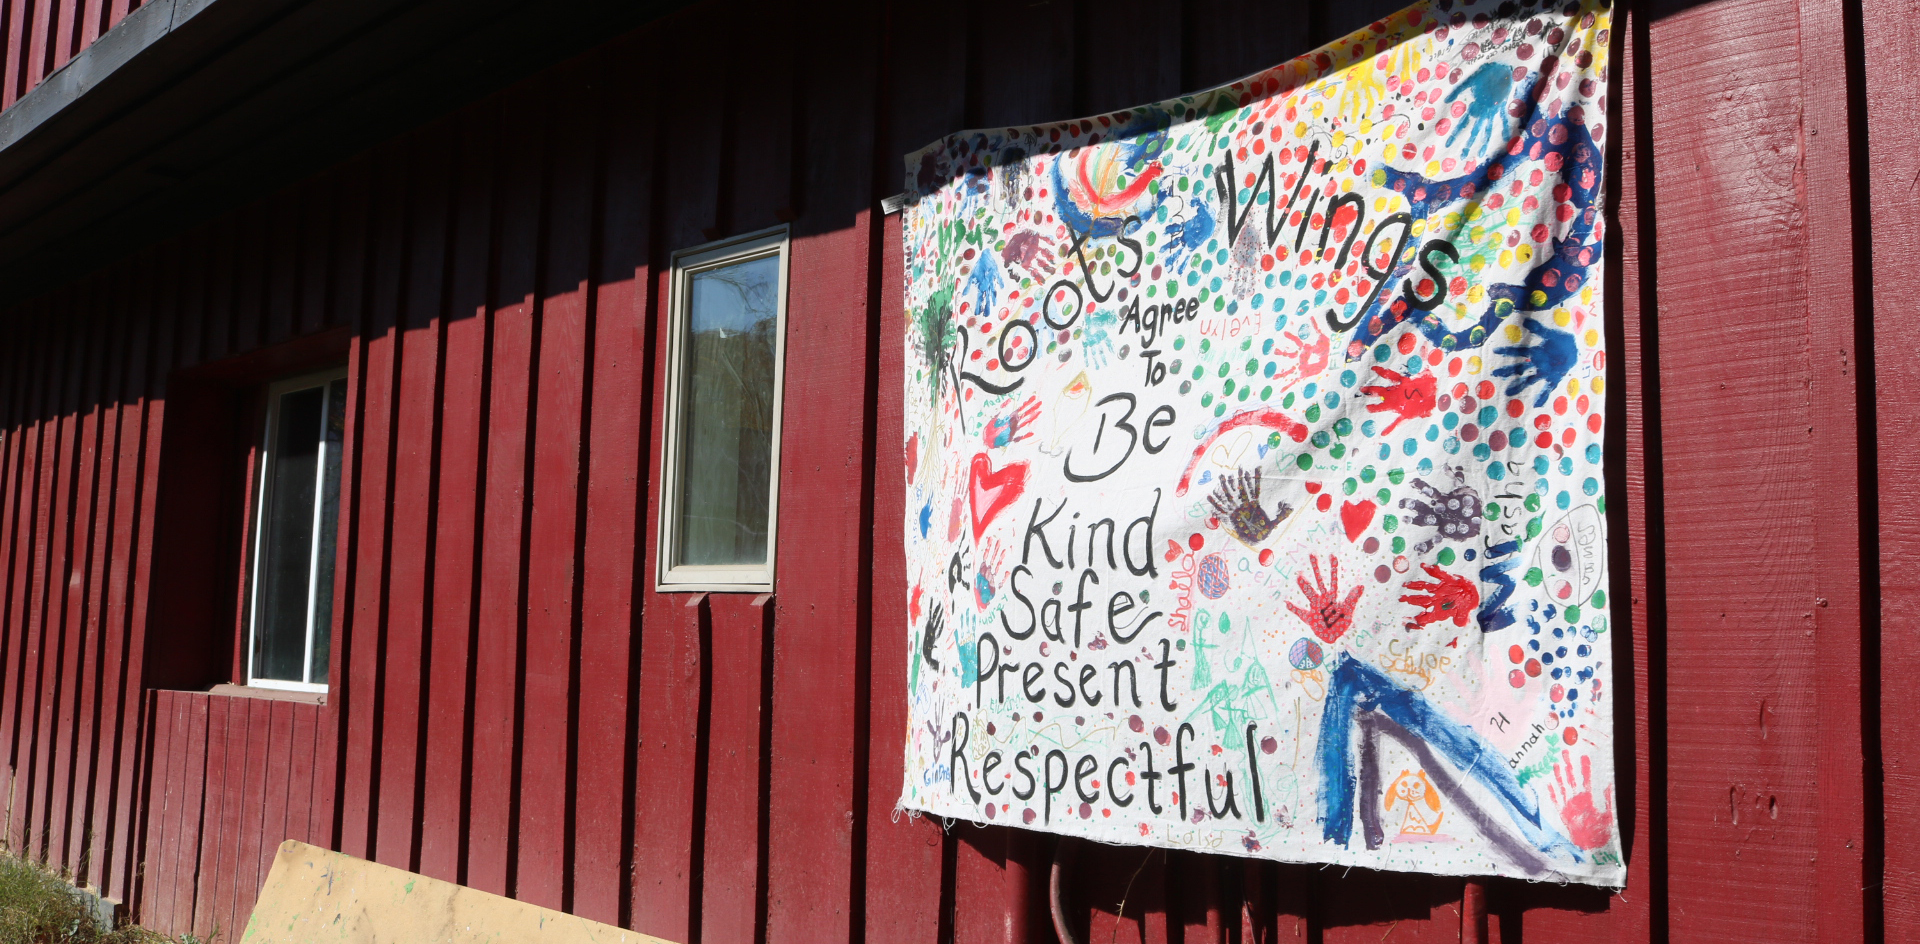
(986, 579)
(1303, 358)
(1013, 425)
(1588, 826)
(1028, 250)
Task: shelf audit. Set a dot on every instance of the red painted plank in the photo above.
(137, 719)
(1891, 34)
(378, 407)
(263, 754)
(281, 758)
(154, 902)
(13, 498)
(502, 588)
(735, 752)
(66, 31)
(14, 77)
(616, 485)
(552, 548)
(27, 526)
(1744, 726)
(75, 582)
(191, 743)
(402, 667)
(303, 722)
(211, 889)
(980, 914)
(39, 47)
(461, 496)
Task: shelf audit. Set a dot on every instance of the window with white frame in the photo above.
(297, 513)
(720, 487)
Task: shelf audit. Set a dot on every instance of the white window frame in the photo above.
(263, 499)
(686, 578)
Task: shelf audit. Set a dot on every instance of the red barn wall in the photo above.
(513, 708)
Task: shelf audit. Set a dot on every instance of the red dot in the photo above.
(1544, 440)
(1516, 654)
(1593, 422)
(1325, 502)
(1515, 408)
(1406, 343)
(1266, 556)
(1571, 735)
(1533, 668)
(1485, 390)
(1517, 678)
(1196, 541)
(1559, 406)
(1567, 436)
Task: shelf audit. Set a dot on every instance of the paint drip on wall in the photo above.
(1254, 460)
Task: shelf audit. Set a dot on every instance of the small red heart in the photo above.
(1356, 516)
(1313, 488)
(1173, 550)
(913, 457)
(993, 490)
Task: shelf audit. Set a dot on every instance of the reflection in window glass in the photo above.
(727, 413)
(294, 553)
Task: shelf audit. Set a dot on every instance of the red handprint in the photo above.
(1588, 827)
(1447, 596)
(1303, 358)
(1028, 250)
(1326, 614)
(1012, 425)
(1408, 396)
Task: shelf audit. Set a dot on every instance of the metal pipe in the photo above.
(1054, 900)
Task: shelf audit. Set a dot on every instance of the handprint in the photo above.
(1484, 119)
(1588, 826)
(930, 635)
(987, 576)
(1408, 397)
(1304, 358)
(1361, 86)
(1237, 502)
(1028, 250)
(1012, 425)
(1545, 360)
(1454, 516)
(1447, 596)
(1326, 614)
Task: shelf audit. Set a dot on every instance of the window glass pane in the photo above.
(334, 432)
(286, 550)
(727, 413)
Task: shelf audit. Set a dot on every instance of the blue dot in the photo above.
(1573, 694)
(1381, 352)
(1451, 444)
(1584, 651)
(1561, 652)
(1469, 554)
(1555, 673)
(1414, 365)
(1411, 446)
(1433, 434)
(1564, 500)
(1496, 471)
(1232, 307)
(1450, 420)
(1488, 415)
(1310, 391)
(1481, 452)
(1590, 486)
(1539, 465)
(1332, 399)
(1386, 451)
(1348, 378)
(1425, 466)
(1259, 300)
(1534, 644)
(1546, 658)
(1566, 465)
(1286, 278)
(1593, 454)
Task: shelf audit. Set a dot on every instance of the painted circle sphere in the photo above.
(1213, 576)
(1306, 654)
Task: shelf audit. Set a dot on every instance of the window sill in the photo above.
(270, 694)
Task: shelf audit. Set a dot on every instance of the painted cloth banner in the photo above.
(1253, 446)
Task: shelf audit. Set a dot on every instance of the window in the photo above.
(720, 487)
(296, 516)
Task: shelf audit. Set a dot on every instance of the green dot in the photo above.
(1601, 505)
(1205, 345)
(1266, 393)
(1287, 401)
(1320, 439)
(1222, 372)
(1206, 399)
(1220, 408)
(1253, 365)
(1338, 451)
(1534, 577)
(1533, 528)
(1244, 392)
(1383, 495)
(1572, 613)
(1445, 556)
(1313, 413)
(1229, 388)
(1179, 343)
(1350, 486)
(1366, 475)
(1533, 502)
(1599, 599)
(1399, 545)
(1390, 524)
(1493, 511)
(1342, 426)
(1305, 461)
(1396, 476)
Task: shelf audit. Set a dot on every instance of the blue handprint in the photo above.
(1545, 360)
(1485, 122)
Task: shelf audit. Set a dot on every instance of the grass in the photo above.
(39, 907)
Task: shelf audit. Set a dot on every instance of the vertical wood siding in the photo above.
(514, 709)
(40, 36)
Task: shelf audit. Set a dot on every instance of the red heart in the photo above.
(1173, 550)
(1313, 488)
(993, 491)
(1356, 516)
(913, 457)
